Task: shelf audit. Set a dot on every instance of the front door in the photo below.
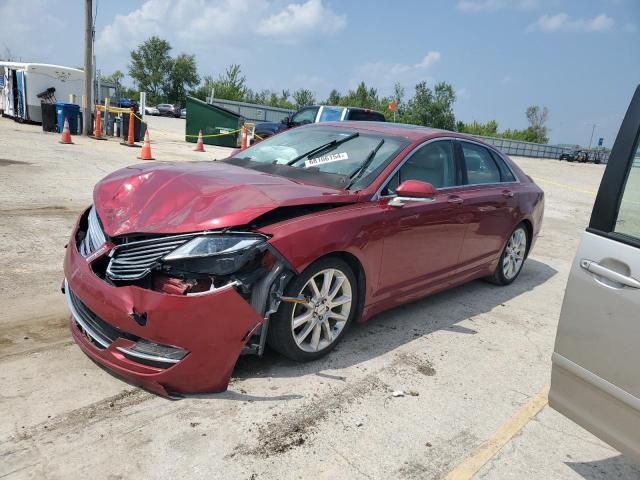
(595, 377)
(422, 240)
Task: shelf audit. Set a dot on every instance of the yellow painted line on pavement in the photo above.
(474, 462)
(563, 185)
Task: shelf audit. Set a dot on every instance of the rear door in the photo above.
(595, 377)
(489, 201)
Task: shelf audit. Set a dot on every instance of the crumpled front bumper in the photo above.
(212, 327)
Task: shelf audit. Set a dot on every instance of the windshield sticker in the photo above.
(333, 157)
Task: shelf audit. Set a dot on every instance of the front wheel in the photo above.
(311, 328)
(512, 258)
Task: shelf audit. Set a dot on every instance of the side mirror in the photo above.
(413, 191)
(286, 121)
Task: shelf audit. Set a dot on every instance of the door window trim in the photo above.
(607, 205)
(491, 152)
(455, 144)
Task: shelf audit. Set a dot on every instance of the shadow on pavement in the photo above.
(618, 467)
(394, 328)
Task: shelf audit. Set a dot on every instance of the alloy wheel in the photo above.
(318, 322)
(514, 254)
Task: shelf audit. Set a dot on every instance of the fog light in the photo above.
(146, 350)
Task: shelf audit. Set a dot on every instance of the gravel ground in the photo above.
(472, 357)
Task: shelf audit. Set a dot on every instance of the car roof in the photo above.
(413, 133)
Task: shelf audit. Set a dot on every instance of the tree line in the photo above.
(170, 79)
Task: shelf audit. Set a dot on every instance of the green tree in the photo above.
(116, 77)
(303, 97)
(150, 68)
(432, 108)
(231, 85)
(537, 118)
(183, 75)
(334, 98)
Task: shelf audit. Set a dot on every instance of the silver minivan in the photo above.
(595, 378)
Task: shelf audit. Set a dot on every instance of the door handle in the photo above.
(507, 193)
(455, 200)
(597, 269)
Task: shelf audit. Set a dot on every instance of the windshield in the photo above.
(355, 157)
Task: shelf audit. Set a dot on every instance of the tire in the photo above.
(503, 275)
(317, 320)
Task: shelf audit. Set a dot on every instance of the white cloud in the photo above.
(309, 18)
(564, 23)
(218, 23)
(494, 5)
(383, 74)
(630, 28)
(505, 80)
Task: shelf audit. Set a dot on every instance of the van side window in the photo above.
(628, 221)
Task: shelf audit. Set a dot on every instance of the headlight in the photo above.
(216, 254)
(213, 245)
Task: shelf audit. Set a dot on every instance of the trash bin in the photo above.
(138, 128)
(71, 112)
(212, 120)
(48, 117)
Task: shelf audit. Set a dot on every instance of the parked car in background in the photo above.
(148, 110)
(316, 114)
(575, 156)
(595, 377)
(183, 113)
(168, 110)
(177, 268)
(127, 103)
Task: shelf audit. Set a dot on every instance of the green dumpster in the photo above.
(212, 120)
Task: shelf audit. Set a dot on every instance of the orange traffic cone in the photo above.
(97, 132)
(200, 143)
(66, 133)
(145, 153)
(243, 138)
(130, 138)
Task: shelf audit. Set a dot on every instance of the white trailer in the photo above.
(22, 82)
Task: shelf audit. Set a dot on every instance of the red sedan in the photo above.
(178, 268)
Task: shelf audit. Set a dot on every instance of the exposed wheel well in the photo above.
(529, 226)
(358, 270)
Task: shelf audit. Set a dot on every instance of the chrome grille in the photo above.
(134, 260)
(94, 238)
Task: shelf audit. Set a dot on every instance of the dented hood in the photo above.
(194, 196)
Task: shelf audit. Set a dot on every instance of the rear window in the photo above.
(364, 116)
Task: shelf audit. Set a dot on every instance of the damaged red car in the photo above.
(178, 268)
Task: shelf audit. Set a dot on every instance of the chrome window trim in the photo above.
(489, 147)
(378, 195)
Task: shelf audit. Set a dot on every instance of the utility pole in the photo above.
(592, 130)
(88, 66)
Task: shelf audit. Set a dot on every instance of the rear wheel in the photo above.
(310, 329)
(512, 258)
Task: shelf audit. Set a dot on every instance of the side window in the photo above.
(481, 168)
(505, 171)
(434, 163)
(628, 222)
(304, 116)
(365, 116)
(331, 114)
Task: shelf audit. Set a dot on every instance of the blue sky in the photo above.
(581, 59)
